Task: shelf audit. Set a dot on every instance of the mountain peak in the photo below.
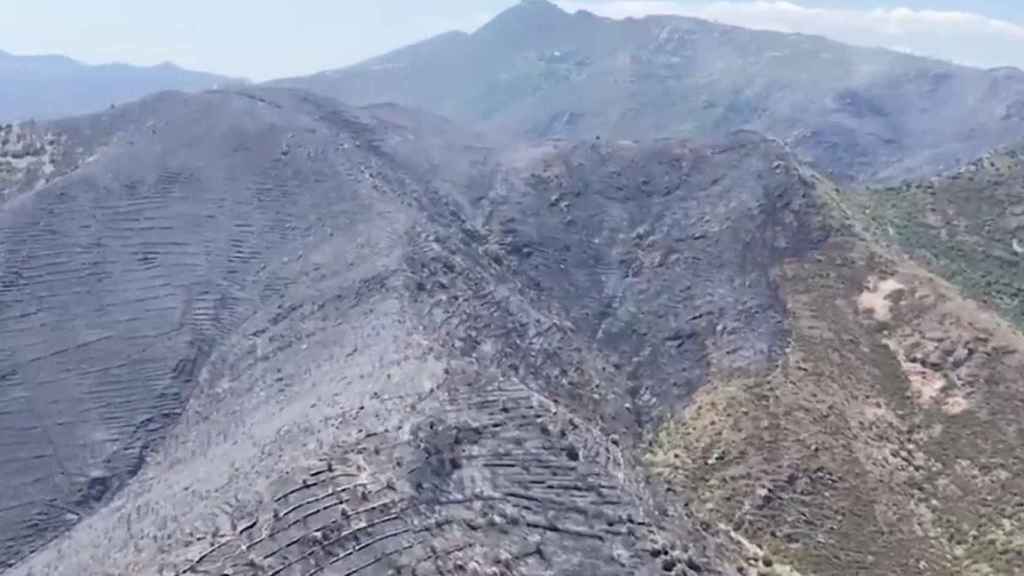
(533, 9)
(527, 13)
(538, 5)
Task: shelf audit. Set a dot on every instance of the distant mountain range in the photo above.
(46, 87)
(538, 71)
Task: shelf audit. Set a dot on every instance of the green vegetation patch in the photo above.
(968, 227)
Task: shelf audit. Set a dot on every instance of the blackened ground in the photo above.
(334, 345)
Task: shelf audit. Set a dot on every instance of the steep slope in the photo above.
(46, 87)
(887, 439)
(855, 113)
(120, 278)
(361, 342)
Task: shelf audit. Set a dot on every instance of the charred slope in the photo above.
(178, 219)
(391, 360)
(362, 342)
(856, 113)
(659, 255)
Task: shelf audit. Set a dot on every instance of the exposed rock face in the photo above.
(392, 358)
(854, 113)
(27, 158)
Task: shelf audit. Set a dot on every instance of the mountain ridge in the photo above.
(858, 114)
(48, 86)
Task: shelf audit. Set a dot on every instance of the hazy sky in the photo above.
(260, 39)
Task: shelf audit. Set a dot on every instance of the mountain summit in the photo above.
(525, 20)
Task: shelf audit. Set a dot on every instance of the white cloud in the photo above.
(962, 37)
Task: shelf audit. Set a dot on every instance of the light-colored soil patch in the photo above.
(876, 298)
(759, 561)
(955, 405)
(926, 384)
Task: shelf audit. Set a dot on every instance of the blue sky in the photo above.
(1006, 9)
(260, 39)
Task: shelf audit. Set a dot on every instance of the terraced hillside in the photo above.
(121, 277)
(856, 114)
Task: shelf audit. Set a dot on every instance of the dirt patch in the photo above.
(876, 299)
(759, 562)
(955, 405)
